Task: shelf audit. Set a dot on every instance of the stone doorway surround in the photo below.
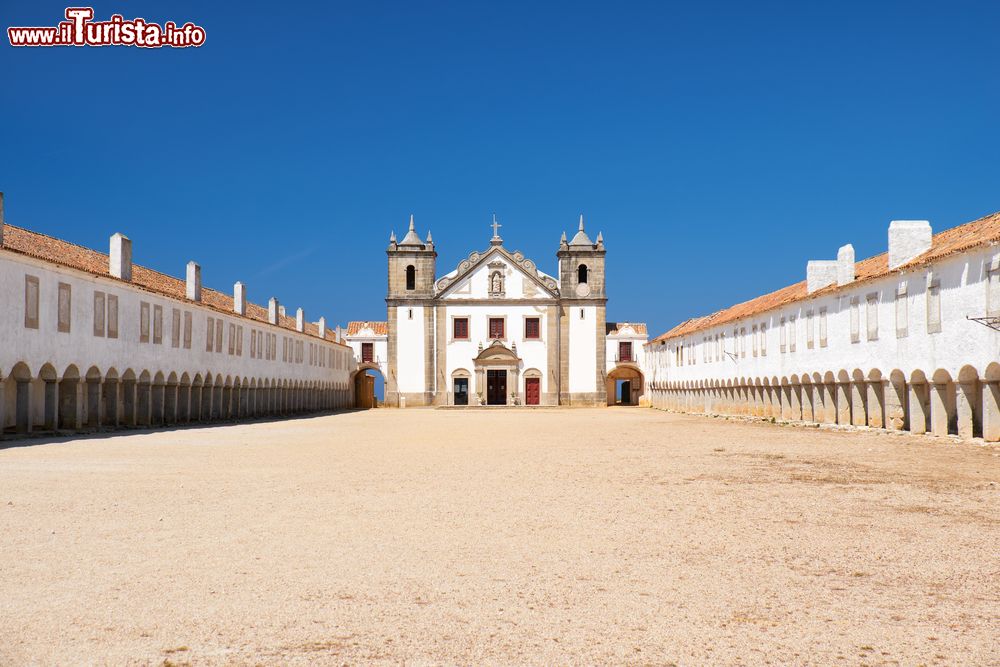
(497, 357)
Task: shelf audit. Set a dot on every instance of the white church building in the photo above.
(496, 330)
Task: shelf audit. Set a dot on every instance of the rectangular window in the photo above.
(31, 302)
(112, 316)
(902, 313)
(460, 328)
(753, 339)
(175, 327)
(232, 338)
(625, 351)
(783, 343)
(855, 319)
(809, 329)
(993, 288)
(582, 314)
(743, 342)
(822, 327)
(871, 314)
(253, 344)
(99, 314)
(210, 338)
(65, 307)
(496, 327)
(187, 329)
(367, 352)
(934, 306)
(791, 334)
(239, 341)
(532, 328)
(763, 340)
(157, 325)
(218, 336)
(143, 322)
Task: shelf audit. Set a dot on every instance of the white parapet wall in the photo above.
(913, 347)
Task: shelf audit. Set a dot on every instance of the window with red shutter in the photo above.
(532, 330)
(496, 327)
(624, 351)
(460, 328)
(367, 352)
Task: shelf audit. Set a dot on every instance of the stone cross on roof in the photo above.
(496, 240)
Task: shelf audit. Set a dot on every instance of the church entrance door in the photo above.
(496, 387)
(532, 391)
(461, 391)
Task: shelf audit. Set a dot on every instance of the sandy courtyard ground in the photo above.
(552, 536)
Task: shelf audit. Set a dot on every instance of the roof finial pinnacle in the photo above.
(581, 222)
(411, 222)
(496, 226)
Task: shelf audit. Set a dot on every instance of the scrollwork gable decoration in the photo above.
(496, 285)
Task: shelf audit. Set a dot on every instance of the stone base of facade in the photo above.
(551, 399)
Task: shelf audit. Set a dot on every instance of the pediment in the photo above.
(479, 268)
(497, 353)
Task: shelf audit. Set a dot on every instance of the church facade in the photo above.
(496, 330)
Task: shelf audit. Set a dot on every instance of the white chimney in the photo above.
(273, 310)
(845, 265)
(322, 327)
(193, 281)
(240, 298)
(120, 258)
(908, 239)
(300, 320)
(281, 311)
(820, 273)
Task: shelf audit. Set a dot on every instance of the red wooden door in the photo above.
(532, 391)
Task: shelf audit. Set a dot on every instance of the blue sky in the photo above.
(718, 146)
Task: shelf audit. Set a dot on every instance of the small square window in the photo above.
(532, 328)
(497, 328)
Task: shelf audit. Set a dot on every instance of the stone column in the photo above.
(806, 402)
(830, 397)
(875, 400)
(939, 408)
(170, 403)
(965, 401)
(895, 405)
(991, 411)
(22, 410)
(94, 403)
(109, 392)
(795, 402)
(858, 417)
(129, 400)
(843, 402)
(918, 410)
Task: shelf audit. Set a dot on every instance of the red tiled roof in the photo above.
(380, 328)
(616, 327)
(64, 253)
(978, 233)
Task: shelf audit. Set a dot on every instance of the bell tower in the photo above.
(410, 319)
(582, 320)
(411, 266)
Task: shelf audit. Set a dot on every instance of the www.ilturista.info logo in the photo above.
(81, 30)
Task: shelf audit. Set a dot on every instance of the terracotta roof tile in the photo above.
(982, 232)
(380, 328)
(64, 253)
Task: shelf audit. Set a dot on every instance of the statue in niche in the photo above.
(496, 283)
